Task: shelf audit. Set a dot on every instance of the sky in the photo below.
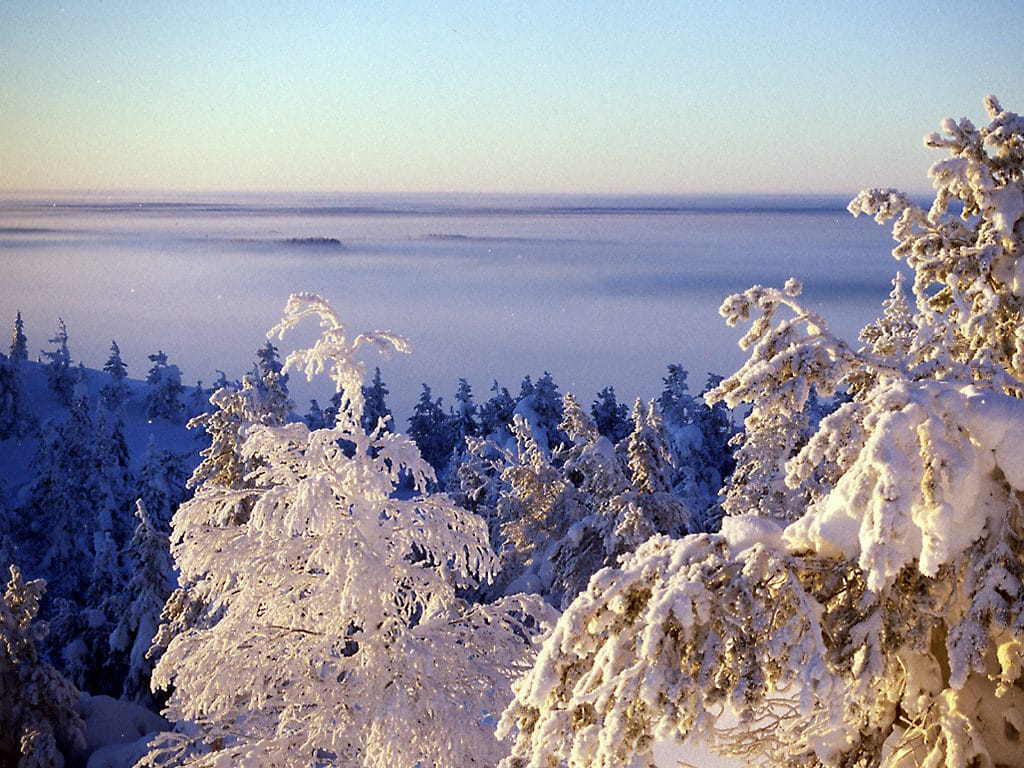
(567, 97)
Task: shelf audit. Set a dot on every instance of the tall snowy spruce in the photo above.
(869, 611)
(330, 631)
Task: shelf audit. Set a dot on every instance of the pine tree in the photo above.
(115, 392)
(332, 615)
(541, 405)
(162, 483)
(163, 397)
(880, 619)
(431, 429)
(149, 586)
(315, 418)
(38, 722)
(375, 396)
(270, 383)
(15, 418)
(19, 344)
(465, 424)
(59, 375)
(496, 413)
(611, 416)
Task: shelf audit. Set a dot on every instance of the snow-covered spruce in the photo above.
(871, 609)
(38, 722)
(326, 627)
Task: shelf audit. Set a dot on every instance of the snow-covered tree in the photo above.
(880, 619)
(534, 509)
(57, 517)
(19, 342)
(375, 395)
(699, 435)
(162, 482)
(496, 413)
(115, 391)
(270, 383)
(431, 429)
(38, 722)
(556, 519)
(541, 405)
(611, 416)
(16, 419)
(59, 375)
(807, 362)
(149, 586)
(163, 396)
(465, 417)
(331, 616)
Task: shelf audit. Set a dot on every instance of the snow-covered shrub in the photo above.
(330, 615)
(864, 601)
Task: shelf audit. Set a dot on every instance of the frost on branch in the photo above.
(330, 613)
(884, 624)
(794, 360)
(657, 648)
(966, 250)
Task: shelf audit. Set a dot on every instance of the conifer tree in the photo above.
(149, 585)
(541, 405)
(38, 722)
(59, 375)
(162, 483)
(163, 397)
(16, 419)
(19, 343)
(466, 424)
(115, 392)
(270, 383)
(611, 416)
(431, 429)
(375, 396)
(879, 620)
(496, 413)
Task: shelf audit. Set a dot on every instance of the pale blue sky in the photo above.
(511, 97)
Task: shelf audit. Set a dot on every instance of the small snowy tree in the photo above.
(375, 396)
(541, 405)
(884, 625)
(270, 383)
(496, 413)
(163, 397)
(465, 423)
(331, 615)
(431, 429)
(59, 375)
(19, 343)
(115, 392)
(611, 416)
